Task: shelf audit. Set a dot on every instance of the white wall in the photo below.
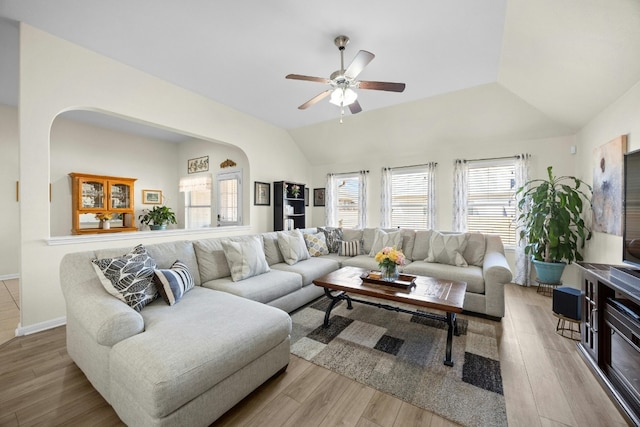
(620, 118)
(9, 230)
(217, 153)
(545, 152)
(83, 148)
(56, 76)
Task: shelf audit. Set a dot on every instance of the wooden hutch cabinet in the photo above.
(95, 194)
(289, 208)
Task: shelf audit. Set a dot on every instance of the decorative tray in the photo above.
(404, 281)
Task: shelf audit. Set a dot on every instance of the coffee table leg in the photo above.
(334, 300)
(451, 321)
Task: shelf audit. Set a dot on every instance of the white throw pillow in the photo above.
(447, 249)
(245, 258)
(292, 246)
(383, 239)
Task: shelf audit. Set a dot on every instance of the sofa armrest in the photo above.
(496, 273)
(105, 318)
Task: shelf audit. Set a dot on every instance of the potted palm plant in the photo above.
(158, 217)
(552, 224)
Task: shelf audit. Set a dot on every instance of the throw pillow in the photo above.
(174, 282)
(245, 258)
(292, 246)
(476, 247)
(383, 239)
(333, 236)
(129, 277)
(447, 249)
(316, 244)
(349, 248)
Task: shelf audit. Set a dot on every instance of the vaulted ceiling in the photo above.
(545, 66)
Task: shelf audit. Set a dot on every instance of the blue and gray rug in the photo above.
(401, 354)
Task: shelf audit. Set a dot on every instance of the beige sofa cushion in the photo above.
(292, 246)
(212, 262)
(421, 245)
(383, 239)
(447, 249)
(246, 258)
(476, 247)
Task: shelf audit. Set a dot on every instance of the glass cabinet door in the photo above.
(92, 194)
(120, 196)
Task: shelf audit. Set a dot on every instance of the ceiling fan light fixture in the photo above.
(343, 97)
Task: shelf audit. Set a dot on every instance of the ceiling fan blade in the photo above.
(355, 107)
(391, 87)
(307, 78)
(315, 99)
(359, 62)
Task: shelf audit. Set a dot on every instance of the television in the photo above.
(631, 212)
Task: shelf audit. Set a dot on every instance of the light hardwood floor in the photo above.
(9, 309)
(546, 383)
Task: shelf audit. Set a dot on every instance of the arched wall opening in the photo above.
(91, 142)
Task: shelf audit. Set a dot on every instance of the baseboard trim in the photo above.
(39, 327)
(10, 276)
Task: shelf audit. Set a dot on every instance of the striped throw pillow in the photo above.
(174, 282)
(349, 248)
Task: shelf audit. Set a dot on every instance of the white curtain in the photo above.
(523, 262)
(196, 183)
(362, 199)
(330, 199)
(385, 199)
(431, 193)
(460, 195)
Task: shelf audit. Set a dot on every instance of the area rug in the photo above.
(401, 354)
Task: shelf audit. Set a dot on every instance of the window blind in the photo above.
(491, 198)
(410, 198)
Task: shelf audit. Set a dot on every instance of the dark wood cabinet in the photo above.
(610, 335)
(288, 207)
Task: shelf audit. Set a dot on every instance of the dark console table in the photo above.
(610, 334)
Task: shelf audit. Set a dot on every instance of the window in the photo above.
(346, 199)
(229, 190)
(491, 187)
(197, 201)
(409, 202)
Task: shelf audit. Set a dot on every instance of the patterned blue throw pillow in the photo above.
(174, 282)
(129, 277)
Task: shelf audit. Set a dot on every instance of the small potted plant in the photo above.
(552, 224)
(158, 217)
(104, 218)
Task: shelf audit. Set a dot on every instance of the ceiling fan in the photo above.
(344, 81)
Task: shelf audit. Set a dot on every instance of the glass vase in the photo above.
(390, 273)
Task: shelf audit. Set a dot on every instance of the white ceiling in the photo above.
(563, 61)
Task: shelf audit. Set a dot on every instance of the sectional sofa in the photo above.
(220, 327)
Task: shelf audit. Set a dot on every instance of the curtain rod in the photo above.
(517, 156)
(415, 166)
(349, 173)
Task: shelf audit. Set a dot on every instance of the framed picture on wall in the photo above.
(152, 197)
(318, 197)
(199, 164)
(306, 196)
(262, 194)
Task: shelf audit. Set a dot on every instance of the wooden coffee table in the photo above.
(428, 292)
